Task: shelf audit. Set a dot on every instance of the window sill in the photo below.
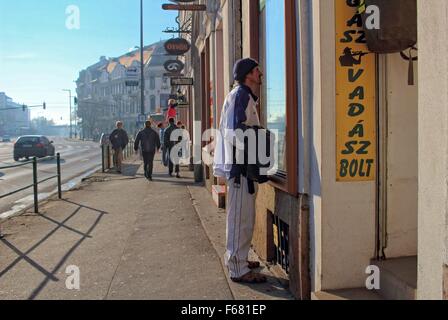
(281, 182)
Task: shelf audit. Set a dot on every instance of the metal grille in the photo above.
(281, 243)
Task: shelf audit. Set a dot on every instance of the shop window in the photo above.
(279, 94)
(272, 18)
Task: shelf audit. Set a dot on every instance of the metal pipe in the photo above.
(16, 165)
(142, 62)
(47, 179)
(70, 103)
(58, 161)
(35, 183)
(103, 162)
(108, 157)
(16, 191)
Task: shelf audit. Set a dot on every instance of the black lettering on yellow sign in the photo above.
(355, 99)
(355, 168)
(357, 18)
(352, 76)
(355, 109)
(357, 130)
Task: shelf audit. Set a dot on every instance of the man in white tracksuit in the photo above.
(239, 112)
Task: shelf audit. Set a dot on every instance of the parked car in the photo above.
(6, 138)
(33, 146)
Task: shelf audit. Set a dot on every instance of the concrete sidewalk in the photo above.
(130, 239)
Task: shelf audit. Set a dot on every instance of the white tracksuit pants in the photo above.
(240, 227)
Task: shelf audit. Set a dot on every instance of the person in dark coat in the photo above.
(149, 141)
(119, 140)
(161, 127)
(169, 145)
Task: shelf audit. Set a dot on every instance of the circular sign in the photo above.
(174, 66)
(177, 47)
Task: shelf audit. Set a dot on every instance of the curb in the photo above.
(224, 269)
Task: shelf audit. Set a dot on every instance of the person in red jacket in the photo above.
(172, 112)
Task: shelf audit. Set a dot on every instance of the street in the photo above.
(77, 157)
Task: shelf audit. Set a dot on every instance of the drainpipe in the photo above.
(213, 17)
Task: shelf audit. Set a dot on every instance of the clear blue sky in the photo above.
(39, 56)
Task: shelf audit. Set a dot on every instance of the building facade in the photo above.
(361, 188)
(104, 96)
(13, 119)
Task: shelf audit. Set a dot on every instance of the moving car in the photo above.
(6, 138)
(33, 146)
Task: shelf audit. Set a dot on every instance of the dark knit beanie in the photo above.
(243, 67)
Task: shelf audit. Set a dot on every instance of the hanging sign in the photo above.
(184, 7)
(182, 81)
(174, 66)
(177, 47)
(355, 97)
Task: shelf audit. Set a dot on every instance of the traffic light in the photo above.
(45, 106)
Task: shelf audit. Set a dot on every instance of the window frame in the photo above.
(289, 182)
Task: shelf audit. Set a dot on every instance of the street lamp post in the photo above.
(142, 63)
(70, 100)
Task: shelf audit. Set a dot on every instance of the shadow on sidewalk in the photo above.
(50, 274)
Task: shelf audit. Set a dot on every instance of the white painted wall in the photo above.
(433, 146)
(312, 163)
(402, 158)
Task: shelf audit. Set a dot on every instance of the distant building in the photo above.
(104, 97)
(13, 119)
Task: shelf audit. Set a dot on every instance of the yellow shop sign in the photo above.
(355, 97)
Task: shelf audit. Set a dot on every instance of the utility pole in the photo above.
(76, 117)
(142, 63)
(70, 100)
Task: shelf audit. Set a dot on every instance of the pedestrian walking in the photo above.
(239, 112)
(148, 141)
(161, 127)
(119, 140)
(169, 145)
